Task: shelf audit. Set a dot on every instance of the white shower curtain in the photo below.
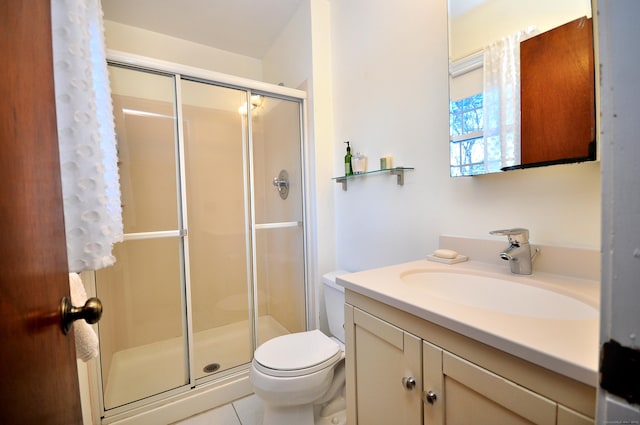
(86, 135)
(501, 103)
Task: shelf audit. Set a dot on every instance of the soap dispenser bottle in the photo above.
(348, 170)
(359, 163)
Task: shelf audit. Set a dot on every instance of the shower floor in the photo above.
(150, 369)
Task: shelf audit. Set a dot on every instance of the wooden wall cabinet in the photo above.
(403, 370)
(557, 96)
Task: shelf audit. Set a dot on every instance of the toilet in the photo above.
(300, 376)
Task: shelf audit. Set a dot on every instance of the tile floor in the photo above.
(246, 411)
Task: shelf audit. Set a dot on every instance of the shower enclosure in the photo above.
(213, 259)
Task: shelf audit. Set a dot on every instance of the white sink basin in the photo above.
(499, 295)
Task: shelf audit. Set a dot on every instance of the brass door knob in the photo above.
(90, 312)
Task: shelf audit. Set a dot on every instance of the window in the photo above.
(471, 151)
(466, 142)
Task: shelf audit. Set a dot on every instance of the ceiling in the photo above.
(246, 27)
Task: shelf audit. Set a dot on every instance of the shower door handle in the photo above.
(91, 312)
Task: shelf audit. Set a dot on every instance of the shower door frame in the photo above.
(235, 380)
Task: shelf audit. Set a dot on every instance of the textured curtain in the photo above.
(86, 135)
(501, 103)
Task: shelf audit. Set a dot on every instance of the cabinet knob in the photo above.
(409, 383)
(429, 397)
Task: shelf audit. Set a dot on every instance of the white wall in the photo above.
(321, 127)
(494, 19)
(141, 42)
(390, 97)
(301, 58)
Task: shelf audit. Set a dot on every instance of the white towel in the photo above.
(86, 339)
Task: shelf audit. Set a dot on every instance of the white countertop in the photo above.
(568, 347)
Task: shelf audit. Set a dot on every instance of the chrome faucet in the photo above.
(518, 253)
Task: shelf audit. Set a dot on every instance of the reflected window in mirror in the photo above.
(467, 145)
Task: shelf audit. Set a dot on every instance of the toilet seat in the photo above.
(297, 354)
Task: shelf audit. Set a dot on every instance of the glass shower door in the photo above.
(143, 337)
(217, 199)
(278, 217)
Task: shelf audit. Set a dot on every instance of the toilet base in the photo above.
(289, 415)
(336, 418)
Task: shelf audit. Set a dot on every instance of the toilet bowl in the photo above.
(294, 373)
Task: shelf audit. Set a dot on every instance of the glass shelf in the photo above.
(396, 171)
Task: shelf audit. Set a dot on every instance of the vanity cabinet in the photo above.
(407, 371)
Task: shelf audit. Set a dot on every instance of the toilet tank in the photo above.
(334, 303)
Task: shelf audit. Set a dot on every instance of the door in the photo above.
(432, 384)
(557, 95)
(145, 331)
(37, 362)
(620, 316)
(387, 384)
(475, 395)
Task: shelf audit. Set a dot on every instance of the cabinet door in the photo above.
(433, 384)
(475, 395)
(386, 375)
(567, 416)
(557, 87)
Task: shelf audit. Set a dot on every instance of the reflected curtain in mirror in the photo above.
(502, 101)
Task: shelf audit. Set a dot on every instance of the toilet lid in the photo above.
(297, 353)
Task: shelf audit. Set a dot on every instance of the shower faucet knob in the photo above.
(282, 184)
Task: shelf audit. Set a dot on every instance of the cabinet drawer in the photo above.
(512, 397)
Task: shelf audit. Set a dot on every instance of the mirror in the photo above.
(512, 69)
